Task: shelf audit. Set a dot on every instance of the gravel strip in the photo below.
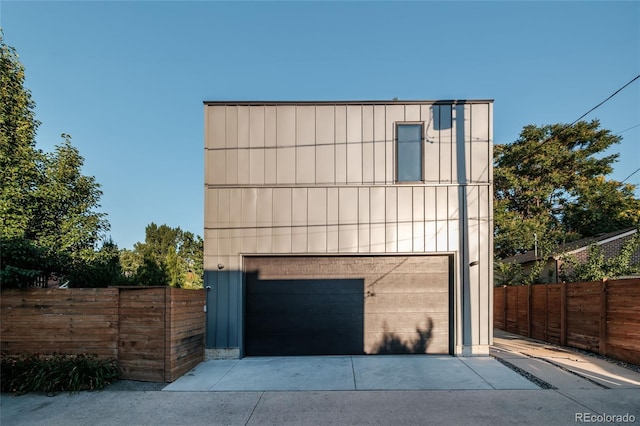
(535, 380)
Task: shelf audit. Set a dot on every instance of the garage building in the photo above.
(339, 228)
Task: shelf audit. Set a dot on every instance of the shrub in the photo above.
(55, 373)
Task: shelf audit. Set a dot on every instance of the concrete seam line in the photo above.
(254, 409)
(477, 374)
(353, 371)
(578, 402)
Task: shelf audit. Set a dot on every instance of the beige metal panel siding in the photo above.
(367, 144)
(286, 126)
(432, 143)
(391, 219)
(282, 240)
(223, 208)
(256, 166)
(325, 129)
(394, 114)
(270, 127)
(332, 178)
(405, 219)
(412, 113)
(317, 206)
(211, 208)
(418, 219)
(480, 145)
(299, 207)
(317, 239)
(363, 205)
(243, 127)
(484, 273)
(232, 127)
(379, 144)
(265, 207)
(235, 207)
(363, 220)
(446, 144)
(216, 135)
(256, 127)
(480, 122)
(348, 206)
(377, 212)
(305, 141)
(231, 166)
(265, 240)
(249, 207)
(264, 220)
(354, 144)
(299, 239)
(305, 125)
(325, 164)
(211, 241)
(243, 166)
(340, 140)
(332, 220)
(286, 165)
(306, 165)
(216, 167)
(281, 207)
(467, 140)
(325, 147)
(270, 164)
(354, 163)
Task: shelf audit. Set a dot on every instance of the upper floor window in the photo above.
(409, 152)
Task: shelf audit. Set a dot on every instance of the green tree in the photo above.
(19, 158)
(47, 206)
(168, 256)
(597, 267)
(549, 185)
(67, 225)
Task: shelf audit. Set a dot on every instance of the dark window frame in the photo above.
(421, 158)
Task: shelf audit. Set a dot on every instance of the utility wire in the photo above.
(625, 179)
(626, 130)
(611, 96)
(580, 118)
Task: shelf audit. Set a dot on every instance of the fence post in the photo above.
(602, 340)
(504, 309)
(563, 314)
(529, 310)
(546, 312)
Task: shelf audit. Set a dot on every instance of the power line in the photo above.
(581, 117)
(600, 104)
(625, 179)
(626, 130)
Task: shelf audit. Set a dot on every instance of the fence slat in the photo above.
(125, 323)
(602, 317)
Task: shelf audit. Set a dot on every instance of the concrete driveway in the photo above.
(342, 373)
(381, 390)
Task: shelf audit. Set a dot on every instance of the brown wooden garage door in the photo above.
(300, 305)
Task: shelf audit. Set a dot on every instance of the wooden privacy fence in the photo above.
(155, 333)
(602, 317)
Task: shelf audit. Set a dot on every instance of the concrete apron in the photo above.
(349, 373)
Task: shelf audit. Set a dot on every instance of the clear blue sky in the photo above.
(127, 79)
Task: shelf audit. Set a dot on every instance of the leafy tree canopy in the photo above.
(48, 216)
(551, 187)
(168, 256)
